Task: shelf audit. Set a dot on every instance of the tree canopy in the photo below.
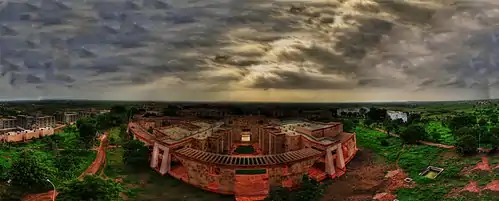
(91, 188)
(466, 144)
(413, 134)
(30, 171)
(376, 114)
(136, 154)
(461, 121)
(348, 125)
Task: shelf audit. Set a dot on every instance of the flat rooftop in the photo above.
(292, 124)
(197, 129)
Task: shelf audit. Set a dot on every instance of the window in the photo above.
(245, 137)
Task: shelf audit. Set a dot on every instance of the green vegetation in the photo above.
(310, 190)
(245, 150)
(91, 188)
(28, 166)
(136, 154)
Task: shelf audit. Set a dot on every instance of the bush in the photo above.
(466, 145)
(385, 143)
(413, 134)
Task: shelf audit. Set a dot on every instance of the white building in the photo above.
(393, 115)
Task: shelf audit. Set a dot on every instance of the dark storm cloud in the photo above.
(298, 80)
(221, 44)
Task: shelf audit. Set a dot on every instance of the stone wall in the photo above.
(220, 179)
(293, 143)
(294, 172)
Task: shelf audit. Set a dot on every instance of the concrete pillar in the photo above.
(165, 162)
(340, 161)
(330, 164)
(270, 144)
(154, 158)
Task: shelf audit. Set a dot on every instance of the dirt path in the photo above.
(99, 159)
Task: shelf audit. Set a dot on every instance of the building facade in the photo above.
(29, 122)
(207, 155)
(7, 123)
(67, 117)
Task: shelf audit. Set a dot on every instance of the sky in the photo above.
(258, 50)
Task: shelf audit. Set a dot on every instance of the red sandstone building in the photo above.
(245, 156)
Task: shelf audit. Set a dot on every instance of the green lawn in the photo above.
(244, 150)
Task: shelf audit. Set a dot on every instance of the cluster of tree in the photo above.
(90, 126)
(136, 154)
(376, 115)
(310, 190)
(90, 188)
(470, 133)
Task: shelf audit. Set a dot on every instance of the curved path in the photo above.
(91, 170)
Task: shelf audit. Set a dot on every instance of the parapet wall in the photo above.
(26, 135)
(227, 180)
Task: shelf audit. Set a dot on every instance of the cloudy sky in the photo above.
(252, 50)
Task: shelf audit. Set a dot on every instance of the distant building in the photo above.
(357, 111)
(83, 114)
(67, 117)
(393, 115)
(316, 114)
(44, 121)
(202, 112)
(7, 123)
(29, 122)
(25, 122)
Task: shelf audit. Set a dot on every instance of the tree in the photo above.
(278, 194)
(413, 134)
(494, 137)
(376, 115)
(136, 154)
(348, 126)
(91, 188)
(494, 119)
(461, 121)
(87, 132)
(466, 144)
(310, 190)
(463, 131)
(29, 172)
(482, 122)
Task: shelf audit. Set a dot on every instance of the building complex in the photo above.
(245, 155)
